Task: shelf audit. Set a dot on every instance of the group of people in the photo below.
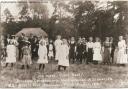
(29, 50)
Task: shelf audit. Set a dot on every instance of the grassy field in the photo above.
(76, 76)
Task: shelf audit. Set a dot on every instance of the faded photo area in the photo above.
(63, 44)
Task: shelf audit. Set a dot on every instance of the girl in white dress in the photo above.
(15, 42)
(122, 56)
(11, 53)
(50, 50)
(64, 55)
(58, 44)
(42, 53)
(97, 56)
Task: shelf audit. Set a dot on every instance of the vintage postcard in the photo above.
(63, 44)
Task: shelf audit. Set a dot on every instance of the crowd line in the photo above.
(41, 50)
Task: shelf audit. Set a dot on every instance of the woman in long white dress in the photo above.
(64, 55)
(58, 43)
(11, 54)
(97, 56)
(15, 42)
(122, 56)
(42, 53)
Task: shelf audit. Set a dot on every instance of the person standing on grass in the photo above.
(72, 50)
(34, 48)
(89, 49)
(11, 54)
(21, 44)
(115, 54)
(50, 50)
(58, 43)
(97, 55)
(122, 56)
(15, 42)
(84, 42)
(112, 43)
(31, 40)
(63, 62)
(106, 51)
(79, 50)
(42, 52)
(26, 50)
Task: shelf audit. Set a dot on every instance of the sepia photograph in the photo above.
(63, 44)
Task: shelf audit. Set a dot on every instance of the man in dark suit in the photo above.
(34, 47)
(80, 50)
(21, 43)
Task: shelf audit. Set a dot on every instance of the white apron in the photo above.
(42, 52)
(58, 44)
(64, 59)
(97, 56)
(11, 54)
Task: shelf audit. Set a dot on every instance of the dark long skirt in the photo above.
(112, 54)
(79, 57)
(90, 55)
(72, 55)
(107, 55)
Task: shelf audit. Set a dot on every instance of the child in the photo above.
(26, 60)
(64, 59)
(50, 49)
(11, 54)
(42, 52)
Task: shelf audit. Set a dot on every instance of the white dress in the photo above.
(42, 52)
(58, 44)
(122, 56)
(97, 56)
(64, 59)
(11, 54)
(15, 42)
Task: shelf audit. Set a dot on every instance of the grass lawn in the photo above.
(76, 76)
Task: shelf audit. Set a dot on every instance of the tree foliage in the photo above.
(73, 18)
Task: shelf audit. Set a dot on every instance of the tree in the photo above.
(34, 14)
(62, 21)
(120, 15)
(8, 15)
(84, 17)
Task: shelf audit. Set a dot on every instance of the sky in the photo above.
(12, 6)
(15, 10)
